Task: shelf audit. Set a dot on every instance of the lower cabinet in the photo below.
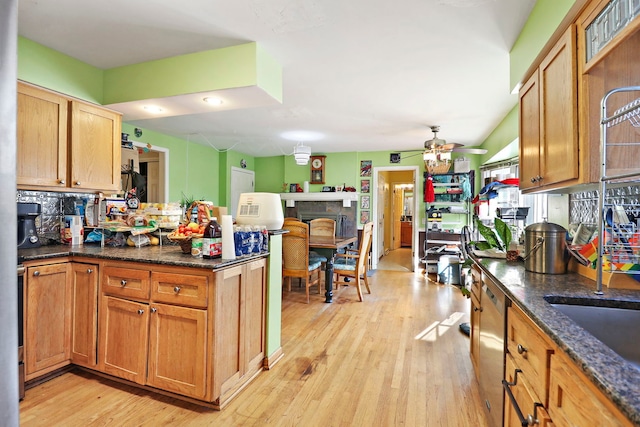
(47, 318)
(474, 333)
(84, 313)
(192, 332)
(524, 405)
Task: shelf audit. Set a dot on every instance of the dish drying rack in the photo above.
(619, 250)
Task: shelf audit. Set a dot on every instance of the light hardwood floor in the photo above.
(396, 359)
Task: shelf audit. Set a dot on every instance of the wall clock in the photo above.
(317, 169)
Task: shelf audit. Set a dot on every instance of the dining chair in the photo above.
(295, 256)
(354, 263)
(322, 227)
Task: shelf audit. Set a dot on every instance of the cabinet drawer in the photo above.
(476, 283)
(573, 400)
(179, 289)
(126, 282)
(530, 351)
(525, 399)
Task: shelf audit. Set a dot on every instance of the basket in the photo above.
(437, 167)
(184, 242)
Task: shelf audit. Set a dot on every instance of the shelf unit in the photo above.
(448, 194)
(618, 251)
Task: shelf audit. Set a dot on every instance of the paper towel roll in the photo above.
(306, 186)
(228, 245)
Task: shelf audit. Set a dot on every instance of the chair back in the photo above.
(295, 248)
(322, 227)
(365, 247)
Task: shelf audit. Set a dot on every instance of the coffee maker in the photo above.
(27, 234)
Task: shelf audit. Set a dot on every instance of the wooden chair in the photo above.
(322, 227)
(354, 263)
(295, 256)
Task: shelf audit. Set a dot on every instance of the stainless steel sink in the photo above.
(617, 327)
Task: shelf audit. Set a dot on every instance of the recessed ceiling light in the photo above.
(153, 109)
(213, 101)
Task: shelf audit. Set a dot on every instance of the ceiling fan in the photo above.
(437, 145)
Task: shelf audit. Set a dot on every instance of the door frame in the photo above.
(235, 170)
(414, 220)
(163, 163)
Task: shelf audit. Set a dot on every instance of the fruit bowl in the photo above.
(183, 241)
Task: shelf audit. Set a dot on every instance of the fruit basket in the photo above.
(183, 241)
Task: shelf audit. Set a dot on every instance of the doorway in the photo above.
(154, 166)
(389, 210)
(242, 181)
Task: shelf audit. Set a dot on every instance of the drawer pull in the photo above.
(531, 420)
(62, 182)
(140, 311)
(176, 289)
(521, 349)
(123, 283)
(89, 270)
(153, 309)
(36, 273)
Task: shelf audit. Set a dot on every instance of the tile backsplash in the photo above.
(54, 207)
(583, 206)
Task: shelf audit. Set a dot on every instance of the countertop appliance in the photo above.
(27, 232)
(492, 342)
(260, 209)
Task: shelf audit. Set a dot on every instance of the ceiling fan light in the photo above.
(301, 153)
(445, 155)
(429, 156)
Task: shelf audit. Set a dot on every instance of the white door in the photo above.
(242, 181)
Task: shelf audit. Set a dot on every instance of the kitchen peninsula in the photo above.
(151, 316)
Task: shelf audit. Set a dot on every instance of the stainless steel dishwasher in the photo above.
(491, 351)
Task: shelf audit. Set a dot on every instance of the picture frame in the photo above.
(365, 202)
(365, 185)
(364, 216)
(339, 188)
(326, 189)
(293, 188)
(365, 167)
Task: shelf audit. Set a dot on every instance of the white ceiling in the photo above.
(367, 75)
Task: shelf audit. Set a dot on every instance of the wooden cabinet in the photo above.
(574, 400)
(527, 369)
(549, 119)
(84, 313)
(406, 233)
(239, 344)
(47, 318)
(64, 143)
(151, 343)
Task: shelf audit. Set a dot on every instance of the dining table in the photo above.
(329, 246)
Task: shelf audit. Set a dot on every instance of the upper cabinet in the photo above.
(63, 143)
(549, 119)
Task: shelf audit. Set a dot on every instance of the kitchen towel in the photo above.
(228, 245)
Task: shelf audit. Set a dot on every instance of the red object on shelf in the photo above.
(429, 193)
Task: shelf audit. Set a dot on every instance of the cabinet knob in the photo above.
(36, 273)
(533, 180)
(89, 270)
(78, 183)
(62, 182)
(123, 283)
(521, 349)
(176, 289)
(477, 309)
(140, 311)
(153, 309)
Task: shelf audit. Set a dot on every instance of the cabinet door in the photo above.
(475, 334)
(124, 331)
(227, 356)
(48, 318)
(559, 112)
(41, 137)
(177, 349)
(255, 316)
(530, 407)
(84, 310)
(530, 133)
(95, 147)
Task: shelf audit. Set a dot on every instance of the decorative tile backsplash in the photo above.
(54, 207)
(583, 206)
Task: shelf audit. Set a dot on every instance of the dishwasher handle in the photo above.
(531, 420)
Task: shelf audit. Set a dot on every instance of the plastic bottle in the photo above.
(265, 238)
(212, 240)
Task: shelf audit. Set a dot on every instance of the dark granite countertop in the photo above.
(614, 376)
(166, 255)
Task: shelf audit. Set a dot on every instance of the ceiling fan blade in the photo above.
(470, 150)
(449, 146)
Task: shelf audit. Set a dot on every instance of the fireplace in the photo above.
(345, 217)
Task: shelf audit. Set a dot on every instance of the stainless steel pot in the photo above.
(545, 248)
